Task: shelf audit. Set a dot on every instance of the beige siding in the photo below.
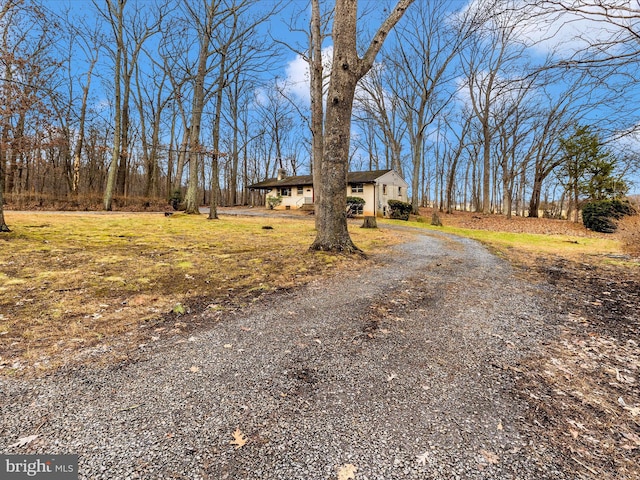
(295, 200)
(368, 195)
(390, 186)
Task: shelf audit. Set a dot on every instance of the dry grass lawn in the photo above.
(73, 280)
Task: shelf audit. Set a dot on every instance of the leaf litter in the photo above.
(583, 384)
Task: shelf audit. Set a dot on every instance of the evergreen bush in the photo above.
(273, 202)
(354, 206)
(600, 215)
(399, 210)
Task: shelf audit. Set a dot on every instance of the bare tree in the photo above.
(378, 98)
(130, 34)
(421, 60)
(489, 85)
(346, 70)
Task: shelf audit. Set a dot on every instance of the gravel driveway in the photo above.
(402, 371)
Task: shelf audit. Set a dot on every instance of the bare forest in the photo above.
(135, 104)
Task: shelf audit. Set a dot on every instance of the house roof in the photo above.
(368, 176)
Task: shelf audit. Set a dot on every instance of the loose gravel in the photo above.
(401, 371)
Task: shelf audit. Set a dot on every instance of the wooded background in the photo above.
(116, 103)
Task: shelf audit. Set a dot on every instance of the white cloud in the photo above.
(548, 28)
(297, 75)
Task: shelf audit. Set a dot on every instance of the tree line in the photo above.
(154, 100)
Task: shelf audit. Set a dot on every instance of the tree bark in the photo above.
(370, 222)
(115, 153)
(347, 69)
(317, 111)
(191, 197)
(3, 139)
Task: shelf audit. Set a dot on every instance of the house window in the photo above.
(357, 187)
(285, 192)
(384, 189)
(399, 191)
(300, 191)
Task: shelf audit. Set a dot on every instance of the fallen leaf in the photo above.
(500, 427)
(624, 378)
(393, 376)
(347, 472)
(635, 411)
(422, 458)
(239, 440)
(228, 345)
(490, 457)
(245, 329)
(632, 436)
(194, 369)
(23, 441)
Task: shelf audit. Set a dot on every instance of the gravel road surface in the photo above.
(402, 371)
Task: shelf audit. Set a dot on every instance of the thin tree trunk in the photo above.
(3, 140)
(77, 153)
(115, 155)
(317, 110)
(191, 197)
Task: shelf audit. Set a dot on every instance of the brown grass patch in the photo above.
(71, 281)
(629, 231)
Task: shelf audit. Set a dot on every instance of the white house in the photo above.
(377, 187)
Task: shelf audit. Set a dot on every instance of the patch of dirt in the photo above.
(500, 223)
(585, 385)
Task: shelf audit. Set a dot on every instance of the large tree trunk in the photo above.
(347, 69)
(331, 217)
(215, 167)
(536, 192)
(191, 197)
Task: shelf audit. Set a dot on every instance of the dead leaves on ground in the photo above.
(490, 457)
(239, 439)
(588, 387)
(347, 472)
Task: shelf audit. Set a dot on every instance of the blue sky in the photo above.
(559, 36)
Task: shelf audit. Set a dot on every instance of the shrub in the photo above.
(399, 210)
(273, 202)
(354, 205)
(355, 201)
(175, 199)
(600, 216)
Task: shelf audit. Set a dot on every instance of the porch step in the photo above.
(308, 207)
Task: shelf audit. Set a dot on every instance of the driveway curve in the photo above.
(404, 370)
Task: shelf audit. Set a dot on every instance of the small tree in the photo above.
(588, 169)
(273, 202)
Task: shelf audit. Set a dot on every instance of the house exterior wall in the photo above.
(295, 200)
(368, 193)
(389, 186)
